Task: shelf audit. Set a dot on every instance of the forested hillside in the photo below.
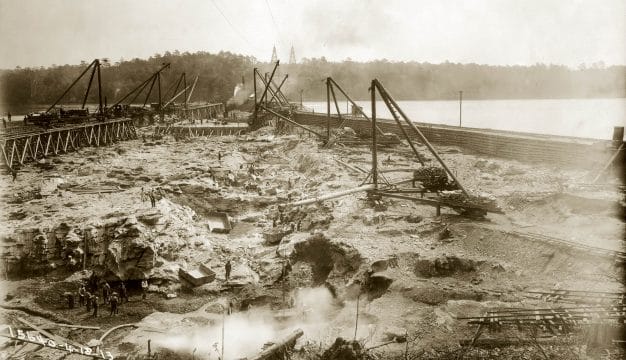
(220, 73)
(424, 81)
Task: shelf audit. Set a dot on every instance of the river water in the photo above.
(587, 118)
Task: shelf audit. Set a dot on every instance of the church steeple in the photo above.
(274, 56)
(292, 56)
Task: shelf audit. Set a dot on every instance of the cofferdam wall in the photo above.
(512, 145)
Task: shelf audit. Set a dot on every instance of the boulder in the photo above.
(413, 219)
(373, 219)
(444, 266)
(394, 333)
(344, 350)
(243, 274)
(150, 217)
(130, 254)
(384, 264)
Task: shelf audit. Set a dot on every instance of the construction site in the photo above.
(265, 230)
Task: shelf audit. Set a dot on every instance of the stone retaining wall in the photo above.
(519, 146)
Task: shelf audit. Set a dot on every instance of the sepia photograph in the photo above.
(312, 179)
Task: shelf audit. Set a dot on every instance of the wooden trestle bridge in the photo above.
(203, 111)
(27, 145)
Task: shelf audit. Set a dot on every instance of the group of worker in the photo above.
(151, 195)
(87, 296)
(281, 218)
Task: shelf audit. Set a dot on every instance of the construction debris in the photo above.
(200, 276)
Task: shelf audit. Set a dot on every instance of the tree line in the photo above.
(425, 81)
(218, 76)
(220, 73)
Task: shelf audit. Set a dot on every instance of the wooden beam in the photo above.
(47, 145)
(4, 154)
(67, 141)
(608, 163)
(13, 150)
(56, 338)
(24, 150)
(286, 342)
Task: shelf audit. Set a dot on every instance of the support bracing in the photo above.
(137, 90)
(374, 144)
(93, 63)
(17, 150)
(393, 106)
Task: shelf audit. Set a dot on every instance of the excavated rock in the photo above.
(443, 266)
(345, 350)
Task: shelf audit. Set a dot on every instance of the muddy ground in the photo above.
(409, 273)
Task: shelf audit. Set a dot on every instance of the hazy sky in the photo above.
(571, 32)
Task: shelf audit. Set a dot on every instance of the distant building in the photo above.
(274, 56)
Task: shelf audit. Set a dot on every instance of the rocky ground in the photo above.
(406, 272)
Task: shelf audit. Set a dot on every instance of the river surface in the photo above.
(587, 118)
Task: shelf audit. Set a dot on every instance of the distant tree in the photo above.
(220, 73)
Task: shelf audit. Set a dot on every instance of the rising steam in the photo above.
(240, 95)
(246, 332)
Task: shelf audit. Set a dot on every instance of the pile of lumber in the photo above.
(94, 189)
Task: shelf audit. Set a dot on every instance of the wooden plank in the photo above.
(608, 163)
(45, 153)
(56, 146)
(13, 150)
(58, 346)
(53, 325)
(24, 150)
(67, 141)
(56, 338)
(4, 154)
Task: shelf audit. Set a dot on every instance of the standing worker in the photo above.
(230, 307)
(123, 293)
(286, 269)
(14, 173)
(231, 178)
(9, 116)
(113, 301)
(81, 295)
(106, 291)
(70, 299)
(88, 300)
(227, 269)
(94, 300)
(152, 198)
(144, 289)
